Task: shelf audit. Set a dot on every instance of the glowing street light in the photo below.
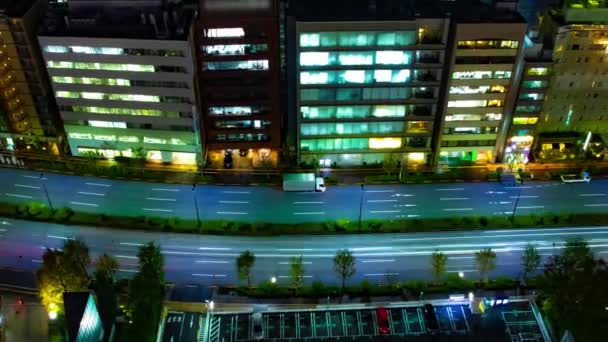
(273, 280)
(52, 315)
(461, 274)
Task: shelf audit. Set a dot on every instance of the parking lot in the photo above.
(335, 324)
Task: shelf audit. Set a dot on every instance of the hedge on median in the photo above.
(37, 211)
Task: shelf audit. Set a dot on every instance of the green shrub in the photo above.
(63, 214)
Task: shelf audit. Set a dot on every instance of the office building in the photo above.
(237, 48)
(574, 123)
(367, 83)
(123, 78)
(482, 88)
(29, 120)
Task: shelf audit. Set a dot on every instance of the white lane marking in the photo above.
(597, 205)
(288, 263)
(311, 213)
(27, 186)
(531, 207)
(295, 249)
(519, 187)
(413, 215)
(20, 196)
(384, 211)
(208, 275)
(522, 196)
(210, 262)
(463, 271)
(214, 248)
(405, 205)
(126, 256)
(33, 177)
(591, 195)
(162, 189)
(380, 274)
(237, 192)
(450, 189)
(230, 213)
(360, 249)
(161, 199)
(6, 223)
(458, 209)
(163, 210)
(379, 190)
(378, 260)
(128, 271)
(87, 204)
(286, 276)
(57, 237)
(234, 202)
(131, 244)
(90, 193)
(403, 195)
(461, 257)
(37, 261)
(99, 184)
(380, 201)
(308, 202)
(454, 198)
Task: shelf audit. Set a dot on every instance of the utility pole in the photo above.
(516, 203)
(198, 219)
(361, 203)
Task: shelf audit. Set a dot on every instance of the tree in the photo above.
(105, 288)
(146, 292)
(344, 266)
(573, 293)
(390, 163)
(438, 262)
(266, 165)
(63, 271)
(485, 261)
(296, 272)
(530, 260)
(244, 265)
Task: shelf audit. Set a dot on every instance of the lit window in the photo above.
(80, 136)
(538, 71)
(467, 103)
(92, 96)
(354, 76)
(384, 143)
(524, 121)
(55, 49)
(225, 32)
(259, 64)
(176, 141)
(391, 57)
(148, 140)
(382, 75)
(105, 137)
(130, 139)
(309, 39)
(355, 58)
(318, 77)
(314, 58)
(67, 94)
(110, 124)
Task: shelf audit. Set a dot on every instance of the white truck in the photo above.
(303, 182)
(584, 177)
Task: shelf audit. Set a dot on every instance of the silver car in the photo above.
(258, 329)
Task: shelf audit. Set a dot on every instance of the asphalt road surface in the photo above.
(271, 204)
(203, 259)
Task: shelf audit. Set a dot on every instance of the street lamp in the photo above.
(516, 203)
(461, 274)
(273, 280)
(198, 219)
(361, 203)
(210, 304)
(46, 192)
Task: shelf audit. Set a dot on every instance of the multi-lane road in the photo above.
(271, 204)
(203, 259)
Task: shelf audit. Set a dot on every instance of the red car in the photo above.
(384, 327)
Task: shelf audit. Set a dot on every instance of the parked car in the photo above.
(384, 327)
(258, 328)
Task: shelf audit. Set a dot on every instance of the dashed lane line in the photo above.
(161, 210)
(20, 196)
(26, 186)
(85, 204)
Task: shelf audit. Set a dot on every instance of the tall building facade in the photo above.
(367, 91)
(124, 82)
(576, 102)
(482, 88)
(28, 119)
(237, 48)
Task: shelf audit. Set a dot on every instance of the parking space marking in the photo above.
(85, 204)
(20, 196)
(26, 186)
(98, 184)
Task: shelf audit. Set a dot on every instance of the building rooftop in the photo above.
(134, 19)
(15, 8)
(377, 10)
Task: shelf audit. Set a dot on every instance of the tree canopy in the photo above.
(344, 266)
(244, 265)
